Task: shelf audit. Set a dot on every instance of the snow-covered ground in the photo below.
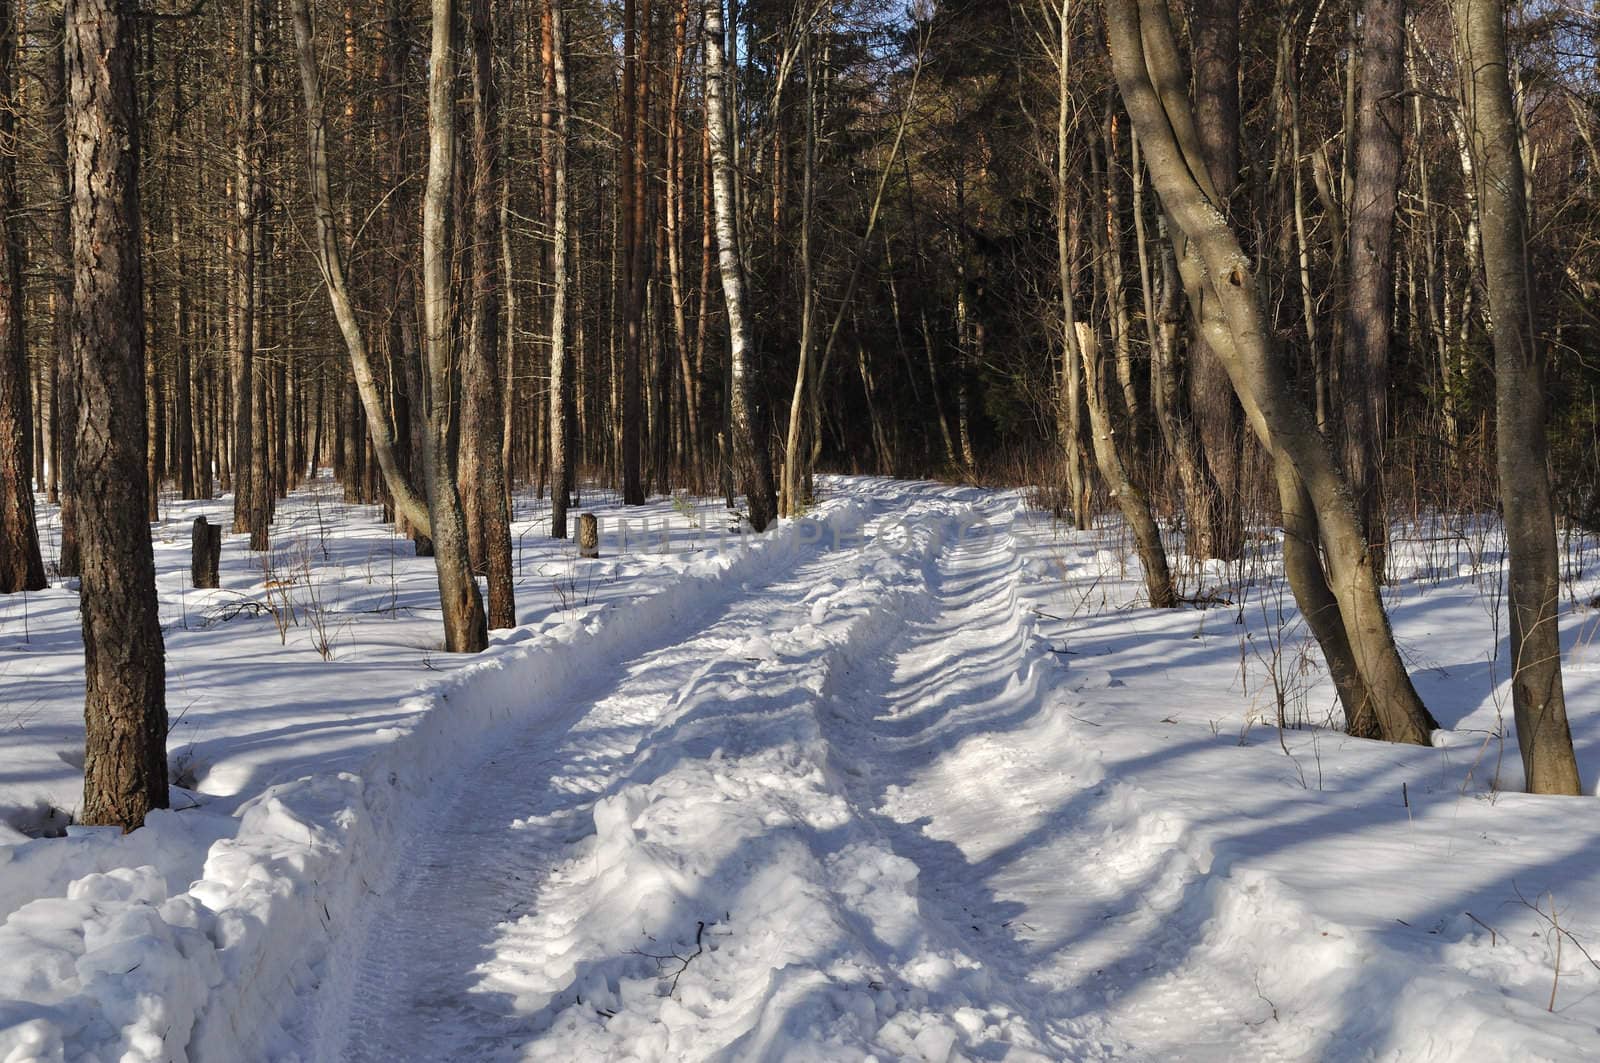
(916, 777)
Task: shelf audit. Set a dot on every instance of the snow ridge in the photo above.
(133, 973)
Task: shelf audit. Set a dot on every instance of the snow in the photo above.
(915, 777)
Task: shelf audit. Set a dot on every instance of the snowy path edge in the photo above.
(139, 975)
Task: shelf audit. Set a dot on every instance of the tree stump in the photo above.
(207, 553)
(588, 535)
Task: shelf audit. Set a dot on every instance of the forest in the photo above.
(1270, 326)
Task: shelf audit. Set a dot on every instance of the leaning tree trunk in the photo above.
(465, 627)
(1222, 286)
(21, 566)
(751, 459)
(1130, 500)
(125, 715)
(408, 504)
(1534, 598)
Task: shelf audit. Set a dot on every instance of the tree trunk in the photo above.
(1222, 287)
(1364, 398)
(125, 715)
(632, 185)
(749, 440)
(464, 622)
(330, 256)
(21, 565)
(1214, 25)
(66, 358)
(484, 419)
(1534, 595)
(246, 175)
(561, 369)
(790, 498)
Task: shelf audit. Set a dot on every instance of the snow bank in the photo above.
(135, 962)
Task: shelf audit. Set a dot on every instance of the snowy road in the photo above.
(826, 817)
(919, 778)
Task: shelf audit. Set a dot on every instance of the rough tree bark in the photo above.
(125, 715)
(484, 425)
(247, 177)
(1370, 305)
(21, 566)
(66, 358)
(1218, 519)
(632, 207)
(1534, 598)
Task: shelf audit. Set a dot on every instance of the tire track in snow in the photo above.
(501, 832)
(1063, 885)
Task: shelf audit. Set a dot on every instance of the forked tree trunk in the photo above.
(1221, 284)
(465, 626)
(125, 715)
(749, 443)
(1534, 598)
(21, 566)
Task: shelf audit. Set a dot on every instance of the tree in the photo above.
(482, 465)
(465, 627)
(561, 369)
(1534, 595)
(21, 567)
(749, 438)
(125, 715)
(1221, 285)
(1365, 372)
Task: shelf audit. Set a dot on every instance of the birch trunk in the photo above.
(749, 442)
(465, 629)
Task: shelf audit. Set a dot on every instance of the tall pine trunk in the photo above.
(562, 375)
(21, 566)
(125, 715)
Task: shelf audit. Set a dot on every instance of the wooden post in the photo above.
(588, 535)
(207, 542)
